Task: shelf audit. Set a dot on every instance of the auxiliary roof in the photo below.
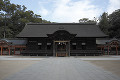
(41, 30)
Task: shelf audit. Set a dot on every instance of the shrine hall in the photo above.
(61, 39)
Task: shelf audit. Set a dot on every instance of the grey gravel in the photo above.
(63, 68)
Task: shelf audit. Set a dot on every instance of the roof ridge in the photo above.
(89, 23)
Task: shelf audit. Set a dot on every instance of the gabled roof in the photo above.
(101, 41)
(81, 29)
(14, 41)
(106, 40)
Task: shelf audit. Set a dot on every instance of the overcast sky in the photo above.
(69, 10)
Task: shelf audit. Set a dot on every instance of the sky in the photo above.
(68, 11)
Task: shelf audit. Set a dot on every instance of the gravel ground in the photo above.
(63, 68)
(10, 65)
(109, 65)
(8, 68)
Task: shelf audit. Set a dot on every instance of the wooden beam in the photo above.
(19, 46)
(61, 41)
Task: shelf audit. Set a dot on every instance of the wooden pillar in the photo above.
(54, 48)
(56, 55)
(14, 50)
(66, 55)
(108, 50)
(21, 49)
(9, 50)
(69, 47)
(116, 50)
(101, 50)
(1, 50)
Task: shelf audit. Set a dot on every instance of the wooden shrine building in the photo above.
(12, 46)
(109, 46)
(61, 39)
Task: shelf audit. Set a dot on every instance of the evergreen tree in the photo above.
(14, 17)
(104, 24)
(114, 20)
(86, 20)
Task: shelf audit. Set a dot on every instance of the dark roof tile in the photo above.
(41, 30)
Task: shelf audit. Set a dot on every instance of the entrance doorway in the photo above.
(62, 48)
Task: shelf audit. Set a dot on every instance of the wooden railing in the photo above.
(37, 52)
(85, 52)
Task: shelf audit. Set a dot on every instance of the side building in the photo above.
(12, 46)
(61, 39)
